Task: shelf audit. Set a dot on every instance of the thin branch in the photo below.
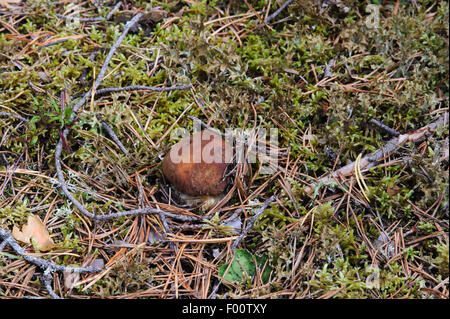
(41, 263)
(53, 43)
(15, 116)
(283, 6)
(142, 88)
(108, 58)
(388, 149)
(384, 127)
(83, 80)
(2, 245)
(112, 135)
(134, 212)
(252, 221)
(47, 279)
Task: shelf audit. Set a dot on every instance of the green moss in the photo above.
(16, 215)
(441, 260)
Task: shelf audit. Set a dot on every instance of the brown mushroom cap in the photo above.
(196, 165)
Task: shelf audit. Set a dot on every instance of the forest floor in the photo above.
(356, 205)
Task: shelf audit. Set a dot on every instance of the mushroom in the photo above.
(196, 167)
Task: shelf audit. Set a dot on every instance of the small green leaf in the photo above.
(55, 105)
(243, 266)
(34, 140)
(67, 112)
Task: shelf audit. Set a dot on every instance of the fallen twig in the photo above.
(53, 43)
(385, 127)
(252, 221)
(41, 263)
(45, 265)
(134, 212)
(283, 6)
(112, 135)
(388, 149)
(142, 88)
(15, 116)
(47, 280)
(83, 80)
(102, 72)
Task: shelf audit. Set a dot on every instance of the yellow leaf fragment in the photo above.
(34, 229)
(360, 178)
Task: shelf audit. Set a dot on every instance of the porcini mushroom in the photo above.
(196, 167)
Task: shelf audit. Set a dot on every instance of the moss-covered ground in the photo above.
(319, 72)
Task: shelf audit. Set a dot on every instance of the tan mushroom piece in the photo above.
(196, 167)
